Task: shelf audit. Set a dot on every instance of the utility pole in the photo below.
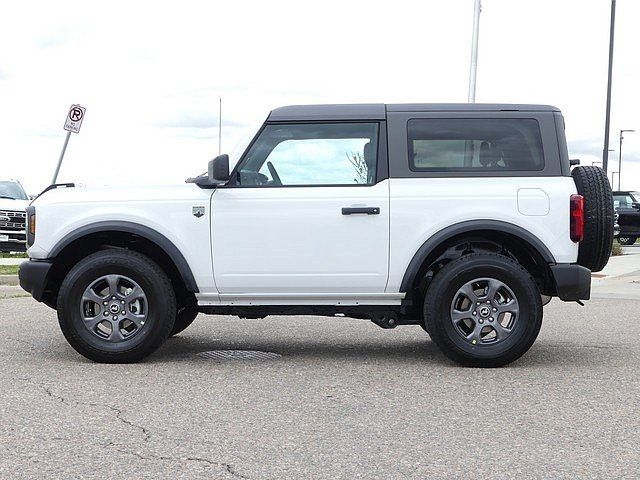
(620, 156)
(474, 52)
(607, 121)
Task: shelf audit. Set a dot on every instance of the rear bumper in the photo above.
(33, 277)
(573, 282)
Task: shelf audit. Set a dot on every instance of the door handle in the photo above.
(360, 210)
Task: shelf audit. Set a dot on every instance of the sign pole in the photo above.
(64, 149)
(72, 123)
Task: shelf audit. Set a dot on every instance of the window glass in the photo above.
(12, 190)
(312, 154)
(475, 144)
(623, 200)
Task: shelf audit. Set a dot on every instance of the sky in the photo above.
(150, 74)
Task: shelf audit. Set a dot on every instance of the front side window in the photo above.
(474, 144)
(312, 154)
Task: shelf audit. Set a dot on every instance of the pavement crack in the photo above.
(225, 466)
(118, 412)
(230, 469)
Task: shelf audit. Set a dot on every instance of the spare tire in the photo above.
(595, 249)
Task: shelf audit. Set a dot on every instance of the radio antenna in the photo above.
(220, 128)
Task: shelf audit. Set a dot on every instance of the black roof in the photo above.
(377, 111)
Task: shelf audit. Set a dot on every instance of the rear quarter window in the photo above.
(475, 145)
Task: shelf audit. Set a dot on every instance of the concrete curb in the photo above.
(9, 280)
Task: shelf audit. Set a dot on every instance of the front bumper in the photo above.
(16, 241)
(13, 247)
(573, 282)
(33, 277)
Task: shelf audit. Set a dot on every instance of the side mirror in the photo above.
(219, 169)
(635, 205)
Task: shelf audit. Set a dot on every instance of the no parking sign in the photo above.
(72, 123)
(74, 118)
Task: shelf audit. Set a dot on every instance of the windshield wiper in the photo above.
(10, 198)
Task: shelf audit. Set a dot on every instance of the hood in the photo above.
(16, 205)
(122, 194)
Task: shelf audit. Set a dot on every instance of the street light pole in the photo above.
(473, 68)
(607, 121)
(620, 156)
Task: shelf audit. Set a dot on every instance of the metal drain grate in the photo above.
(238, 355)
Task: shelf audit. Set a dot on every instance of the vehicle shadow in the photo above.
(403, 352)
(421, 350)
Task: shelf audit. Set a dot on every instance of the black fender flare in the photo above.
(466, 227)
(142, 231)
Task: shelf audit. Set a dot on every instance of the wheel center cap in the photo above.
(114, 308)
(485, 311)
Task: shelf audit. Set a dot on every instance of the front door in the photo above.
(304, 214)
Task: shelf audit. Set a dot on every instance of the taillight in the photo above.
(576, 225)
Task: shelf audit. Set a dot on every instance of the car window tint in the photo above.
(474, 144)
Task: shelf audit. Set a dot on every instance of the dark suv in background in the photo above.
(627, 204)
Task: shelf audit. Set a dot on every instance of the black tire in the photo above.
(627, 240)
(445, 286)
(184, 319)
(160, 297)
(595, 249)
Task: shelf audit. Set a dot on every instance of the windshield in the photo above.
(625, 199)
(12, 190)
(243, 143)
(238, 150)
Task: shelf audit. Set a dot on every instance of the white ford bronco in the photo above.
(464, 219)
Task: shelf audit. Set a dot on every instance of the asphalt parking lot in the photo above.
(345, 400)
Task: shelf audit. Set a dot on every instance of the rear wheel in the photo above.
(116, 306)
(483, 310)
(627, 240)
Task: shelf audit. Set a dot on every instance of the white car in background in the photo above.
(13, 206)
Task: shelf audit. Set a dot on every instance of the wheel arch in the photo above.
(528, 249)
(119, 234)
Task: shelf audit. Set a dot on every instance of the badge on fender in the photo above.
(198, 212)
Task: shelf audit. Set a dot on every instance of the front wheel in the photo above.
(627, 240)
(116, 306)
(483, 310)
